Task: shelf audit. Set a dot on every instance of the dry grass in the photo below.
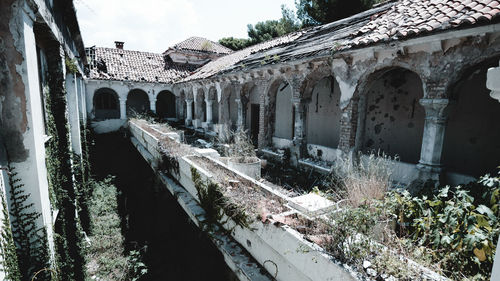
(367, 179)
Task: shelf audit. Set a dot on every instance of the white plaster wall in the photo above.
(472, 137)
(282, 143)
(283, 125)
(323, 114)
(323, 153)
(394, 119)
(122, 88)
(32, 171)
(73, 113)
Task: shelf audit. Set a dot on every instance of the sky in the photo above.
(155, 25)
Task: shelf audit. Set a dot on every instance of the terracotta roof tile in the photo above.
(200, 44)
(126, 65)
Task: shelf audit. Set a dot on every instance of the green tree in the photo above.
(316, 12)
(266, 30)
(235, 43)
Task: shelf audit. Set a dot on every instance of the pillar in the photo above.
(189, 116)
(436, 116)
(493, 82)
(123, 108)
(152, 105)
(209, 111)
(240, 123)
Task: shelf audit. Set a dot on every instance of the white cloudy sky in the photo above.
(154, 25)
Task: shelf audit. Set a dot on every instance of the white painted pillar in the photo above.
(73, 112)
(123, 108)
(436, 116)
(240, 121)
(209, 104)
(152, 105)
(189, 109)
(493, 82)
(300, 120)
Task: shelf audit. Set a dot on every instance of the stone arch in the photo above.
(212, 96)
(311, 81)
(137, 102)
(324, 114)
(106, 104)
(166, 104)
(391, 119)
(471, 142)
(280, 108)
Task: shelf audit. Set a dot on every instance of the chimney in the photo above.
(119, 44)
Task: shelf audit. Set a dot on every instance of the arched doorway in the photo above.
(472, 136)
(137, 102)
(212, 96)
(165, 105)
(393, 118)
(106, 105)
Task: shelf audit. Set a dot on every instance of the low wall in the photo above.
(279, 249)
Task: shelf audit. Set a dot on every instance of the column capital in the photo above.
(209, 102)
(436, 110)
(189, 101)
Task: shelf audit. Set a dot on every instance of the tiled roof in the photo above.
(395, 20)
(125, 65)
(199, 44)
(415, 17)
(225, 62)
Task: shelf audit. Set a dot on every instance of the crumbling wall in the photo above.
(283, 126)
(323, 114)
(394, 119)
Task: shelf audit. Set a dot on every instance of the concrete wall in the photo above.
(472, 138)
(394, 118)
(283, 126)
(323, 114)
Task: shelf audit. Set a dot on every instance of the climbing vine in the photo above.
(31, 241)
(68, 230)
(9, 260)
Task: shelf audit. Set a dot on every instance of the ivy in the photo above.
(9, 260)
(30, 241)
(71, 66)
(68, 231)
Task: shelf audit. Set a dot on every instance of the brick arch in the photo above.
(312, 79)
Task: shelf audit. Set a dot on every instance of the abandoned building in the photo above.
(418, 81)
(414, 89)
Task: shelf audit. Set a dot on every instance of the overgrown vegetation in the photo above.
(9, 262)
(30, 240)
(238, 145)
(68, 231)
(106, 256)
(452, 230)
(216, 205)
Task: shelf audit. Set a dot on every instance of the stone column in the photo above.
(436, 116)
(209, 111)
(300, 120)
(152, 105)
(493, 82)
(123, 108)
(189, 109)
(240, 123)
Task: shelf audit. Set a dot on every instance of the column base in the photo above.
(188, 122)
(428, 177)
